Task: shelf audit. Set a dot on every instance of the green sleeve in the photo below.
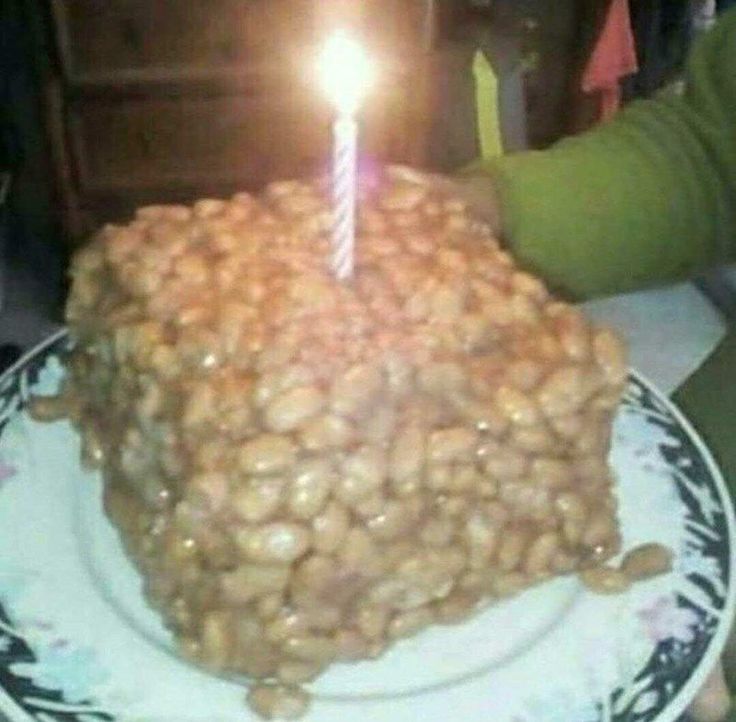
(709, 399)
(646, 198)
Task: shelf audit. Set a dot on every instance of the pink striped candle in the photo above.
(346, 74)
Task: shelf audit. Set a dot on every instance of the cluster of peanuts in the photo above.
(306, 470)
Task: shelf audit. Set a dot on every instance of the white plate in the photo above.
(78, 643)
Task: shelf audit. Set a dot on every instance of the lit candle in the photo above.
(346, 75)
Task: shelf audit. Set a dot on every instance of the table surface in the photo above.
(671, 331)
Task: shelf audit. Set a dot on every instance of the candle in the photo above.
(346, 75)
(344, 191)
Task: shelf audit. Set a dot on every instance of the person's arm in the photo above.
(649, 197)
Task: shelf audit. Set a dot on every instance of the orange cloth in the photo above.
(613, 58)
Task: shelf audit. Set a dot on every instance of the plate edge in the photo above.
(689, 690)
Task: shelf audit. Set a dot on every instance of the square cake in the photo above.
(306, 470)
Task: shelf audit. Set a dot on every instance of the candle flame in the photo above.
(345, 71)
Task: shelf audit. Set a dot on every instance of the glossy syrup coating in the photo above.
(304, 470)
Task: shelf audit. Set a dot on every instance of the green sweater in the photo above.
(649, 197)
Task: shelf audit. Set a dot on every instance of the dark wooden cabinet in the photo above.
(124, 35)
(170, 100)
(190, 142)
(176, 99)
(98, 36)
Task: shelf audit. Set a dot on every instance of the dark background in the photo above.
(62, 159)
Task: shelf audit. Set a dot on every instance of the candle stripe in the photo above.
(344, 197)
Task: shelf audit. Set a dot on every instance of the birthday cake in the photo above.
(304, 469)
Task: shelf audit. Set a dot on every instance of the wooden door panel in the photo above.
(131, 144)
(103, 36)
(107, 35)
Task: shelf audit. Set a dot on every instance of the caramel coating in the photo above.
(305, 470)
